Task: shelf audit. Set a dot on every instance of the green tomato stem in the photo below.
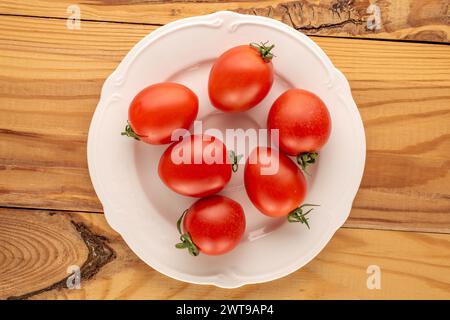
(297, 215)
(234, 160)
(185, 238)
(264, 50)
(306, 159)
(129, 132)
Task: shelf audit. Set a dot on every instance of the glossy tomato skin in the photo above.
(160, 109)
(303, 121)
(215, 224)
(239, 79)
(276, 194)
(186, 168)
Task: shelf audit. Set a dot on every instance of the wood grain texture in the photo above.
(38, 247)
(423, 20)
(51, 79)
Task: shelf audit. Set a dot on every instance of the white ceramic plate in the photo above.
(144, 211)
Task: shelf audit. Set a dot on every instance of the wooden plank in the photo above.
(423, 20)
(49, 91)
(51, 79)
(38, 247)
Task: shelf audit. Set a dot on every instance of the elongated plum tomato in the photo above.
(241, 77)
(160, 109)
(196, 166)
(304, 124)
(275, 185)
(212, 225)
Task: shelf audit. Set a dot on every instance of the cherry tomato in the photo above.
(212, 225)
(196, 166)
(160, 109)
(303, 122)
(275, 185)
(241, 77)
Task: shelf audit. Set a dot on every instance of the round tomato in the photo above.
(303, 122)
(212, 225)
(241, 77)
(196, 166)
(160, 109)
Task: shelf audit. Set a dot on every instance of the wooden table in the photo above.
(50, 81)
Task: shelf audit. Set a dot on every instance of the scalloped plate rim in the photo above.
(216, 280)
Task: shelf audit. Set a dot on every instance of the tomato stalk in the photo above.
(185, 238)
(264, 50)
(235, 160)
(129, 132)
(297, 215)
(307, 158)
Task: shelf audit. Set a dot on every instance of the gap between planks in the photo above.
(347, 225)
(160, 25)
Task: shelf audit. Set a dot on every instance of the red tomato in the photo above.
(160, 109)
(303, 122)
(212, 225)
(241, 78)
(196, 166)
(274, 184)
